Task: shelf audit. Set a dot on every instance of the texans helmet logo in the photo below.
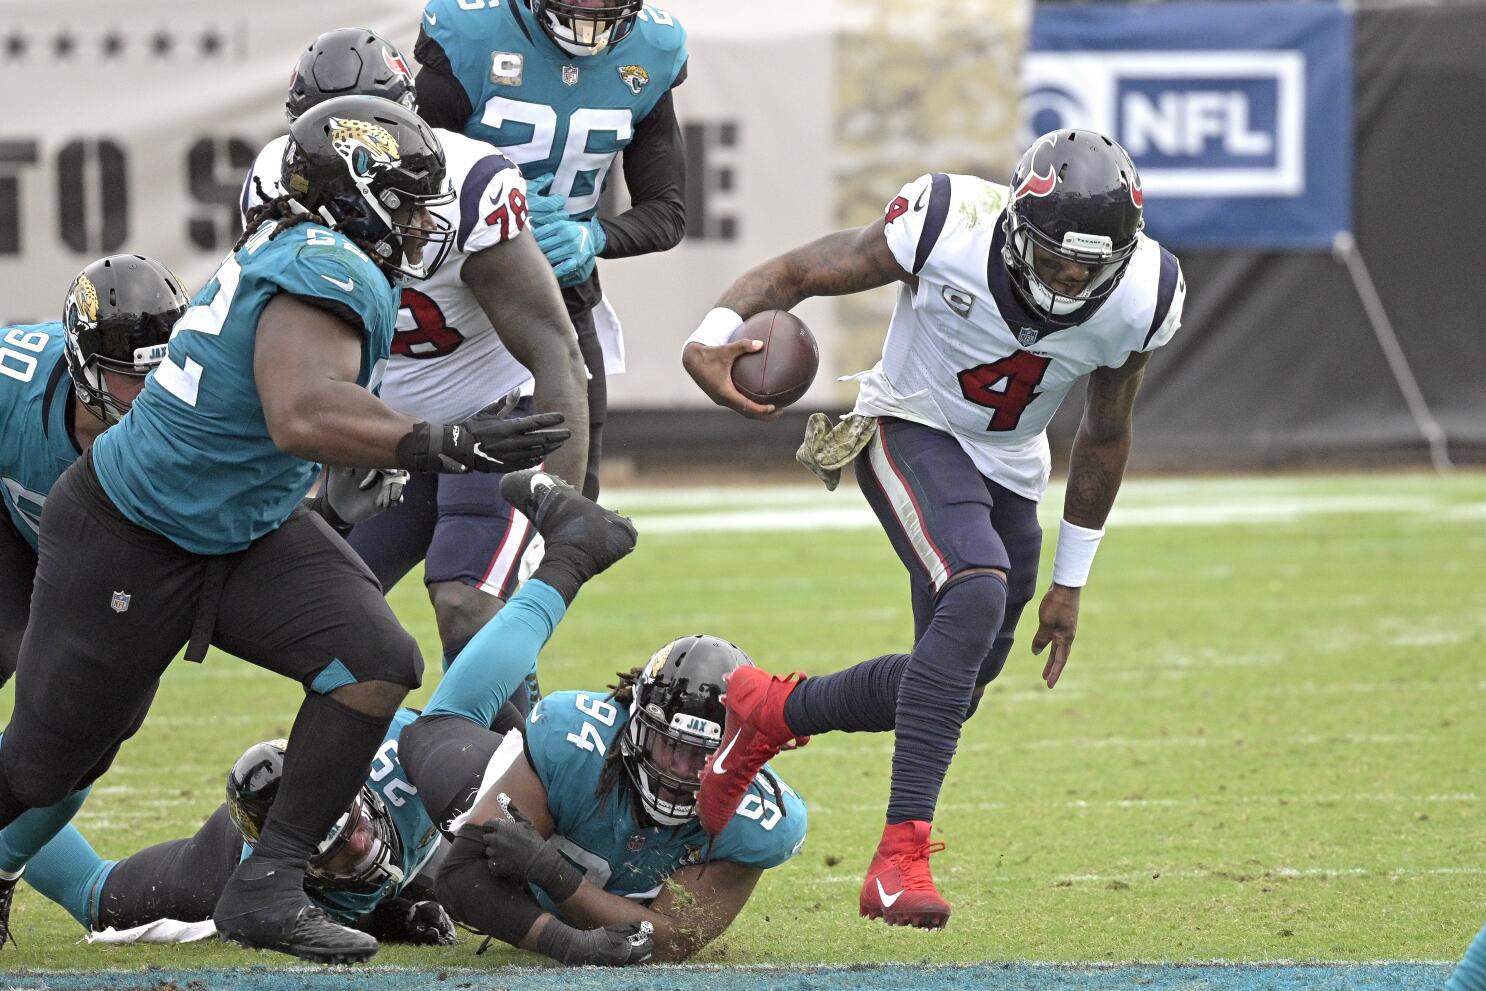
(1137, 195)
(396, 64)
(1036, 183)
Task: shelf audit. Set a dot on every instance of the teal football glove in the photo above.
(541, 207)
(571, 247)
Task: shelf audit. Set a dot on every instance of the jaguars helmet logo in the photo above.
(635, 77)
(366, 147)
(656, 662)
(82, 301)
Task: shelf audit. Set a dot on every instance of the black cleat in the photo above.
(597, 537)
(7, 892)
(272, 912)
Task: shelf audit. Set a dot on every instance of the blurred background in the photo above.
(1318, 168)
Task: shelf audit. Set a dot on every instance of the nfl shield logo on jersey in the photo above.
(119, 602)
(570, 75)
(1026, 337)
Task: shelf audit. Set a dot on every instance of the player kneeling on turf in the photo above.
(581, 841)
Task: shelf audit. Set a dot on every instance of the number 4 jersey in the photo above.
(447, 361)
(962, 355)
(568, 738)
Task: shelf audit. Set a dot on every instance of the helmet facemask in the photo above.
(582, 30)
(664, 759)
(1105, 260)
(362, 851)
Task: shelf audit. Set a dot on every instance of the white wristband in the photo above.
(1075, 554)
(716, 328)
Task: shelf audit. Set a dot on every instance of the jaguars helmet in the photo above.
(584, 30)
(117, 318)
(349, 62)
(676, 720)
(1075, 195)
(371, 169)
(362, 851)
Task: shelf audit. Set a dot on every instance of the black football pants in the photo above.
(114, 603)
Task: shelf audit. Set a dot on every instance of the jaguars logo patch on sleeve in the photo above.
(635, 77)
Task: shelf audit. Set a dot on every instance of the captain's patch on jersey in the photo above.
(506, 68)
(958, 300)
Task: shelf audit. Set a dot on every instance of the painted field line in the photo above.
(1000, 976)
(859, 516)
(1198, 801)
(1238, 874)
(1157, 742)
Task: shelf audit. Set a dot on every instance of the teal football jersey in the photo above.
(35, 445)
(548, 111)
(193, 459)
(567, 738)
(420, 838)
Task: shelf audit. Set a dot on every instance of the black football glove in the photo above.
(514, 850)
(399, 920)
(485, 442)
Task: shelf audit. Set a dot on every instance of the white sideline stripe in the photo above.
(1252, 873)
(1111, 742)
(1255, 873)
(1203, 801)
(811, 515)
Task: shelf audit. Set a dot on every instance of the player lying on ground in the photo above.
(1006, 297)
(364, 873)
(489, 321)
(184, 520)
(603, 787)
(67, 381)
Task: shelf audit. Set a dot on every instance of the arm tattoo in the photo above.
(1102, 446)
(838, 264)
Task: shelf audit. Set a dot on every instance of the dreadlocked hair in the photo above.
(280, 208)
(622, 694)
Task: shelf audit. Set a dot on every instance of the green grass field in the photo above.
(1267, 745)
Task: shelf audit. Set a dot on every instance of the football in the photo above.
(783, 369)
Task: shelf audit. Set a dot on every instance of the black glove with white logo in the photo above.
(485, 442)
(400, 920)
(516, 851)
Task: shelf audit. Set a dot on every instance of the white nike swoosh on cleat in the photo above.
(348, 285)
(432, 18)
(722, 754)
(887, 899)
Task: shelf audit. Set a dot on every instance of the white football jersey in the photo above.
(447, 361)
(962, 354)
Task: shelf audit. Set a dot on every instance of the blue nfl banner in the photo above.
(1238, 115)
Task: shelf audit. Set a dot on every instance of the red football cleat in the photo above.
(754, 733)
(899, 888)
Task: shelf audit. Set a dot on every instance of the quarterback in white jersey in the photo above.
(491, 320)
(1007, 296)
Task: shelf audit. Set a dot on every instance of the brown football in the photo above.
(783, 369)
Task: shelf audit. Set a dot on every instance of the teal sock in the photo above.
(21, 840)
(69, 872)
(1470, 974)
(495, 663)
